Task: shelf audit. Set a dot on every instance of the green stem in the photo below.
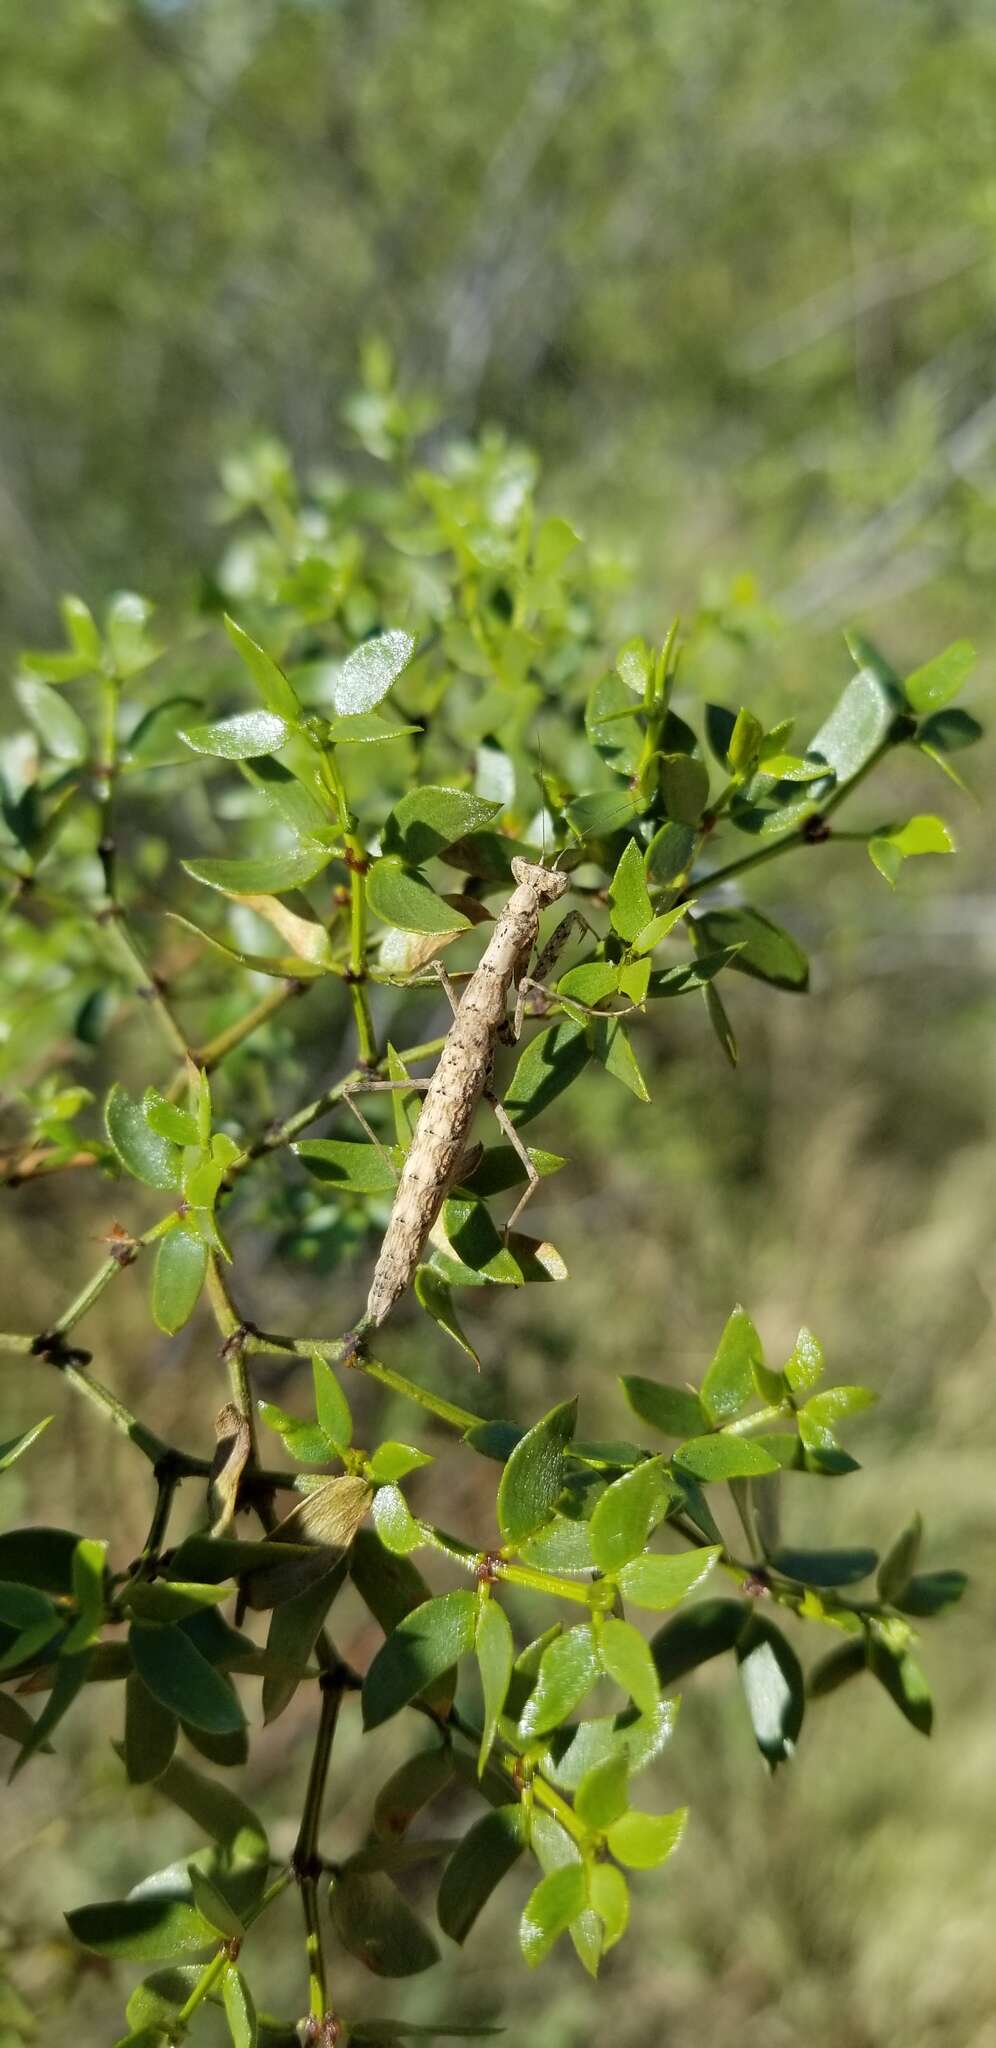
(203, 1988)
(357, 861)
(306, 1861)
(339, 1353)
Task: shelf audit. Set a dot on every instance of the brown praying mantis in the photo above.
(462, 1079)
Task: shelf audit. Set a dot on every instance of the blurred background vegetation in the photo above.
(732, 271)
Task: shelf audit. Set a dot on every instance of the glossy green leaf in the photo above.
(268, 875)
(550, 1063)
(392, 1460)
(168, 1120)
(575, 1749)
(534, 1474)
(644, 1840)
(822, 1412)
(429, 1641)
(430, 818)
(603, 1794)
(661, 1582)
(729, 1381)
(241, 738)
(719, 1019)
(292, 802)
(825, 1567)
(495, 1657)
(723, 1457)
(240, 2012)
(904, 1681)
(805, 1366)
(39, 1557)
(182, 1680)
(150, 1158)
(600, 812)
(150, 1733)
(375, 1924)
(862, 720)
(401, 896)
(71, 1673)
(685, 783)
(669, 854)
(177, 1278)
(556, 1901)
(702, 1632)
(142, 1929)
(156, 2002)
(745, 741)
(569, 1667)
(477, 1867)
(659, 928)
(922, 834)
(416, 1782)
(763, 948)
(331, 1405)
(277, 694)
(931, 687)
(774, 1689)
(394, 1521)
(627, 1658)
(89, 1577)
(630, 908)
(213, 1906)
(59, 726)
(155, 741)
(293, 1632)
(368, 673)
(15, 1446)
(671, 1410)
(611, 1045)
(627, 1512)
(352, 1164)
(608, 1893)
(306, 1440)
(590, 983)
(436, 1297)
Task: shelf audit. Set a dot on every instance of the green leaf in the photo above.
(774, 1689)
(170, 1600)
(729, 1382)
(669, 854)
(477, 1867)
(931, 687)
(557, 1900)
(840, 1665)
(352, 1164)
(609, 1896)
(495, 1656)
(600, 812)
(305, 815)
(16, 1445)
(182, 1680)
(610, 1044)
(177, 1279)
(240, 2011)
(213, 1905)
(569, 1667)
(269, 875)
(156, 2002)
(331, 1405)
(222, 1815)
(930, 1592)
(719, 1019)
(59, 726)
(723, 1457)
(155, 741)
(368, 673)
(142, 1929)
(630, 908)
(270, 681)
(430, 818)
(825, 1567)
(705, 1631)
(659, 928)
(168, 1120)
(70, 1675)
(644, 1840)
(416, 1782)
(39, 1557)
(661, 1582)
(820, 1414)
(150, 1733)
(948, 732)
(436, 1297)
(428, 1642)
(862, 719)
(671, 1410)
(142, 1152)
(401, 896)
(305, 1440)
(806, 1364)
(576, 1748)
(395, 1523)
(293, 1631)
(685, 783)
(904, 1681)
(922, 834)
(551, 1062)
(16, 1723)
(603, 1794)
(24, 1607)
(745, 742)
(627, 1658)
(764, 949)
(242, 738)
(627, 1512)
(534, 1474)
(393, 1460)
(375, 1924)
(89, 1570)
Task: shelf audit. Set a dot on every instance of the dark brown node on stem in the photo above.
(357, 863)
(352, 1349)
(51, 1345)
(816, 831)
(353, 976)
(305, 1867)
(486, 1568)
(236, 1339)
